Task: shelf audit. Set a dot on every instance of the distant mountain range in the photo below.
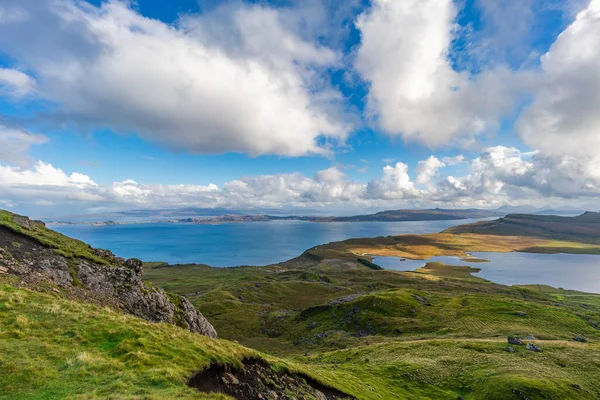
(216, 216)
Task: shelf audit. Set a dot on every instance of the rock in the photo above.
(521, 313)
(260, 396)
(231, 378)
(530, 337)
(580, 339)
(509, 349)
(514, 340)
(533, 347)
(3, 270)
(118, 285)
(135, 265)
(320, 396)
(22, 221)
(273, 395)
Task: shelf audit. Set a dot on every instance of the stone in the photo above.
(231, 378)
(580, 339)
(521, 314)
(3, 270)
(320, 396)
(23, 222)
(273, 395)
(514, 340)
(533, 347)
(509, 349)
(530, 337)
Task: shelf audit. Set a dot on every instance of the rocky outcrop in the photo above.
(117, 283)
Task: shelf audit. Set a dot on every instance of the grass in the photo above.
(472, 369)
(51, 347)
(439, 333)
(62, 245)
(422, 247)
(287, 311)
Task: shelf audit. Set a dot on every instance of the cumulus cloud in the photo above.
(563, 121)
(414, 90)
(15, 144)
(238, 80)
(499, 175)
(427, 169)
(395, 184)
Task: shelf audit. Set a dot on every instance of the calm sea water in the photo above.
(226, 245)
(569, 271)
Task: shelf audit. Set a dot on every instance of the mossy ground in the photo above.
(436, 333)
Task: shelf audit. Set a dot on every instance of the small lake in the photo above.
(568, 271)
(231, 244)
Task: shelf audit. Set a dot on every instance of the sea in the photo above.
(235, 244)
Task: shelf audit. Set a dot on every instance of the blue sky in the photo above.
(298, 105)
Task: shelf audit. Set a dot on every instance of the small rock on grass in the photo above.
(533, 347)
(514, 340)
(509, 349)
(580, 339)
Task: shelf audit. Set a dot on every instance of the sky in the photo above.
(304, 106)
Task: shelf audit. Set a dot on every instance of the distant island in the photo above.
(436, 214)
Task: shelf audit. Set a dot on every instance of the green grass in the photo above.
(473, 369)
(62, 245)
(286, 311)
(51, 347)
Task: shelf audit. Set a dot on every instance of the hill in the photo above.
(583, 228)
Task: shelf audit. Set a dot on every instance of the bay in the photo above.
(569, 271)
(232, 244)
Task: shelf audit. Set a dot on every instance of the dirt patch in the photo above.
(257, 380)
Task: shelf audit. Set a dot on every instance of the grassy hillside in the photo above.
(55, 348)
(437, 333)
(63, 245)
(584, 228)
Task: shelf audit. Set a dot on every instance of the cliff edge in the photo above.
(41, 257)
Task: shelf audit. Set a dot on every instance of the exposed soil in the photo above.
(257, 380)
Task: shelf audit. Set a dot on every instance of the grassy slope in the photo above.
(526, 233)
(438, 334)
(51, 347)
(61, 244)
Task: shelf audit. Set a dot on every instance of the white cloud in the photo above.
(499, 175)
(237, 80)
(395, 184)
(563, 121)
(16, 143)
(14, 83)
(427, 169)
(414, 91)
(43, 174)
